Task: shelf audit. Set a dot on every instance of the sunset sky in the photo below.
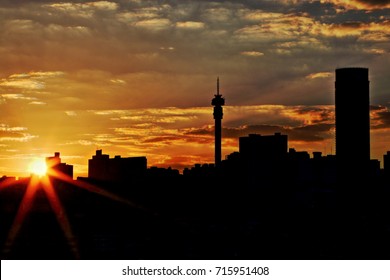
(136, 78)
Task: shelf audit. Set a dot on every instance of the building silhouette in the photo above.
(103, 168)
(218, 101)
(386, 163)
(263, 147)
(352, 100)
(54, 163)
(263, 155)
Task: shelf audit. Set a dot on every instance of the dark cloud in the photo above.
(377, 108)
(251, 129)
(380, 117)
(385, 119)
(308, 133)
(324, 114)
(315, 9)
(375, 2)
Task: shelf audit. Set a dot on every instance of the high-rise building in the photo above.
(352, 98)
(218, 101)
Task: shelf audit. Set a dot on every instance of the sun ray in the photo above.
(38, 180)
(24, 208)
(91, 188)
(60, 214)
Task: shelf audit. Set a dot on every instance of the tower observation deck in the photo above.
(218, 101)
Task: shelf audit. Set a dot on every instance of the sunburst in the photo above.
(42, 178)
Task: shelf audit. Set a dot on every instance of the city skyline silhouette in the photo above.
(218, 101)
(264, 201)
(116, 142)
(140, 83)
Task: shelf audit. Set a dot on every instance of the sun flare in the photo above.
(38, 167)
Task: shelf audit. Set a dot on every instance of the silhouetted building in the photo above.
(160, 172)
(268, 147)
(54, 164)
(200, 170)
(317, 155)
(299, 166)
(323, 168)
(7, 179)
(218, 101)
(103, 168)
(352, 120)
(263, 157)
(302, 155)
(374, 168)
(386, 163)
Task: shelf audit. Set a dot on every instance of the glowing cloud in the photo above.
(154, 24)
(319, 75)
(190, 25)
(252, 53)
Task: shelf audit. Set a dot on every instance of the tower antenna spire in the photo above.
(218, 86)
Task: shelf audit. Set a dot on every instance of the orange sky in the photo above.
(137, 77)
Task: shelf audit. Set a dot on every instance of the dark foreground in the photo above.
(197, 218)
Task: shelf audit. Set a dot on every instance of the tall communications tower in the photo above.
(218, 101)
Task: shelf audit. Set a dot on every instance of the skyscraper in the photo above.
(352, 98)
(218, 101)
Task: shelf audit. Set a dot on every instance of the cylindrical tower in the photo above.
(218, 101)
(352, 98)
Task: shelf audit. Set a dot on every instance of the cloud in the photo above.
(71, 113)
(191, 25)
(308, 133)
(143, 13)
(252, 53)
(361, 4)
(29, 81)
(14, 134)
(154, 24)
(16, 96)
(155, 115)
(319, 75)
(276, 27)
(217, 14)
(380, 117)
(23, 84)
(4, 127)
(84, 10)
(118, 81)
(37, 103)
(81, 142)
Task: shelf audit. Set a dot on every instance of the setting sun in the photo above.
(38, 167)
